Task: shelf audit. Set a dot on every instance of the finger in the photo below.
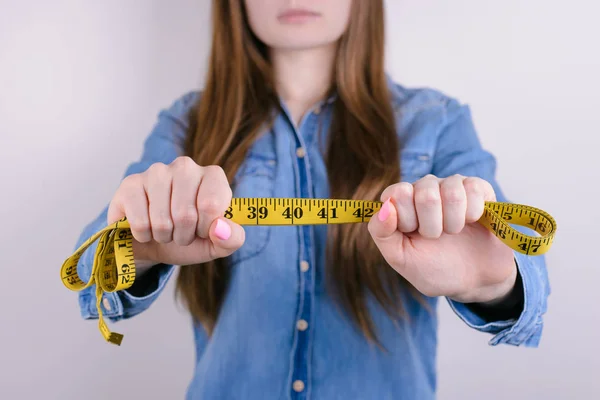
(384, 223)
(477, 191)
(158, 189)
(403, 198)
(383, 229)
(133, 203)
(225, 237)
(214, 197)
(454, 204)
(187, 176)
(428, 205)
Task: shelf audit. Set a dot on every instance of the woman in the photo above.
(297, 104)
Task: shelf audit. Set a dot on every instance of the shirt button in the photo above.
(300, 152)
(298, 386)
(304, 266)
(301, 325)
(106, 304)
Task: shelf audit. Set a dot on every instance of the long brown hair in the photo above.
(237, 102)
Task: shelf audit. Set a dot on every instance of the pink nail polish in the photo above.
(222, 230)
(384, 212)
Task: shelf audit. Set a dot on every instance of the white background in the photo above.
(81, 83)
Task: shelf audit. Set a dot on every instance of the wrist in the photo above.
(504, 307)
(504, 292)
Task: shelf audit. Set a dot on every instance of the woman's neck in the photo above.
(303, 77)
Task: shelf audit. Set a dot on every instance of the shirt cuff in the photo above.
(122, 304)
(525, 330)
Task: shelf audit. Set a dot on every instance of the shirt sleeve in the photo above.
(459, 151)
(163, 144)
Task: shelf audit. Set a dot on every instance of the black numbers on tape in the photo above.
(72, 279)
(228, 213)
(359, 214)
(297, 213)
(541, 226)
(499, 232)
(263, 212)
(323, 213)
(530, 247)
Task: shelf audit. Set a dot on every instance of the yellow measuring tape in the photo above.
(113, 267)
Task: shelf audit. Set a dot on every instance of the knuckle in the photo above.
(131, 198)
(185, 215)
(430, 233)
(131, 181)
(209, 206)
(428, 197)
(157, 168)
(214, 170)
(408, 225)
(473, 185)
(162, 226)
(453, 229)
(453, 195)
(139, 225)
(185, 164)
(184, 240)
(405, 192)
(402, 192)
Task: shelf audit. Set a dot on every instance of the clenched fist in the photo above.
(428, 232)
(176, 213)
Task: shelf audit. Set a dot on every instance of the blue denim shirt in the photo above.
(258, 350)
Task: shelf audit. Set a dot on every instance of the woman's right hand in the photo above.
(176, 213)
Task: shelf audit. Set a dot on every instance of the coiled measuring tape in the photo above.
(113, 266)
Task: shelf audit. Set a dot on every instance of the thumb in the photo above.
(225, 237)
(383, 228)
(385, 222)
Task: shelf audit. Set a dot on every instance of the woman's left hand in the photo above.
(428, 232)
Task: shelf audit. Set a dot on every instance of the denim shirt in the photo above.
(259, 350)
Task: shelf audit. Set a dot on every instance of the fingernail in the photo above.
(384, 212)
(222, 230)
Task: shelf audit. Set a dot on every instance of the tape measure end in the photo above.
(115, 338)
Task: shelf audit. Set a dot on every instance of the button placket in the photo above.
(300, 369)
